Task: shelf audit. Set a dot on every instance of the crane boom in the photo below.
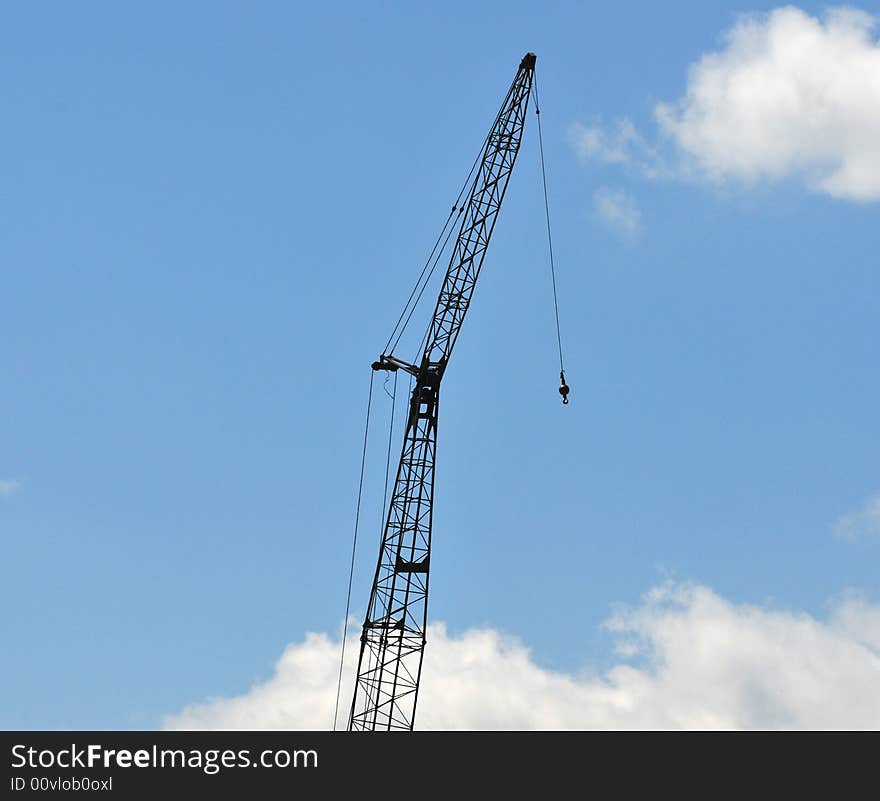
(393, 637)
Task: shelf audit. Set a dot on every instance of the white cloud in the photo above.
(618, 144)
(788, 95)
(702, 662)
(613, 147)
(7, 487)
(618, 210)
(861, 525)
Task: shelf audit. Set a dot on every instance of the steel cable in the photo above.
(547, 214)
(357, 518)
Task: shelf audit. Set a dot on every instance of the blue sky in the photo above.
(212, 214)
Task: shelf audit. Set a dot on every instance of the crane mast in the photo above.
(393, 637)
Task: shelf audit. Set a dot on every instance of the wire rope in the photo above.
(563, 389)
(357, 517)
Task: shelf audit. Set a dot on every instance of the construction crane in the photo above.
(393, 639)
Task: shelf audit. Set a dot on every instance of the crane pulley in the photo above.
(392, 641)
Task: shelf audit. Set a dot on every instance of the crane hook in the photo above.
(563, 387)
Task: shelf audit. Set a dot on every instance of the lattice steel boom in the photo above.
(393, 638)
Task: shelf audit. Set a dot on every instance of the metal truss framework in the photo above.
(393, 638)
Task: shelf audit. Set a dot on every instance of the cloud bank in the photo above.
(788, 95)
(688, 659)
